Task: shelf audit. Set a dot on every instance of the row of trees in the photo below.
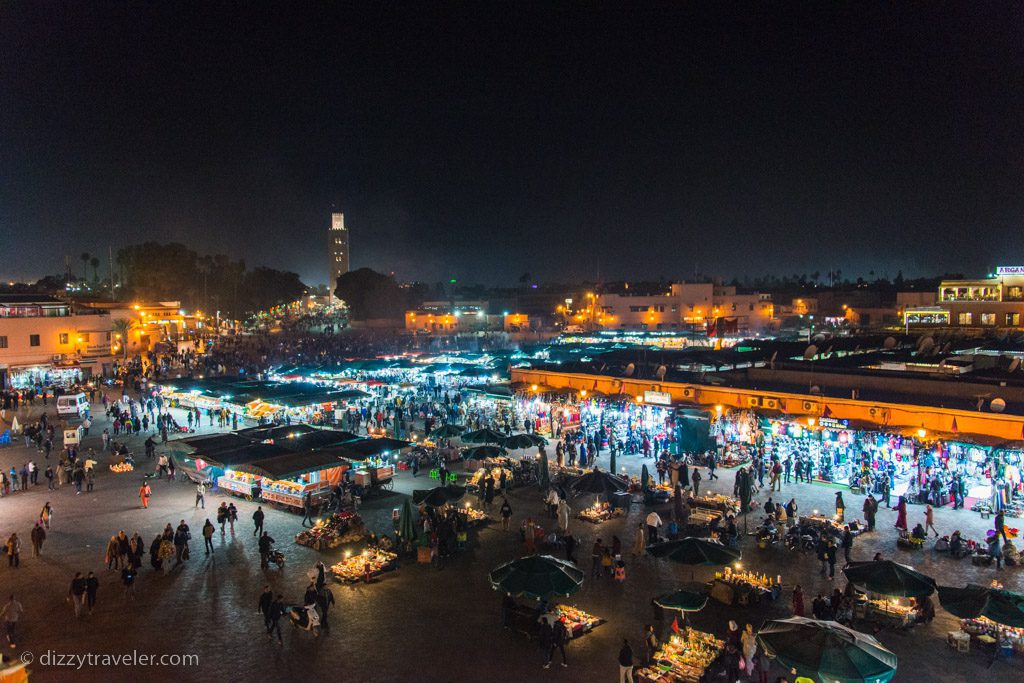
(369, 294)
(159, 272)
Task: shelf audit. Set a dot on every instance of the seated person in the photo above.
(956, 543)
(918, 533)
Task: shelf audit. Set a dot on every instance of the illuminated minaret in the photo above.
(337, 248)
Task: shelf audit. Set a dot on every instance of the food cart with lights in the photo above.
(684, 658)
(373, 462)
(286, 480)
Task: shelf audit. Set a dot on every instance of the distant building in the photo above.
(994, 302)
(685, 306)
(44, 341)
(337, 250)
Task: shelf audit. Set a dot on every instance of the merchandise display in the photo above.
(338, 528)
(241, 483)
(576, 621)
(683, 659)
(597, 513)
(715, 501)
(122, 467)
(366, 564)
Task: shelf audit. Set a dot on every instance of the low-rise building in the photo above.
(694, 306)
(45, 341)
(994, 302)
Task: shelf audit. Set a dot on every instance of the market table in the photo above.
(684, 658)
(725, 504)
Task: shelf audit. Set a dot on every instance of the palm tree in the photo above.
(120, 330)
(85, 265)
(95, 263)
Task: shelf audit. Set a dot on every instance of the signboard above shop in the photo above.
(657, 398)
(833, 423)
(1010, 270)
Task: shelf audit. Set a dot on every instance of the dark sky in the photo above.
(484, 140)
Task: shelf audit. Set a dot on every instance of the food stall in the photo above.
(239, 483)
(888, 611)
(476, 481)
(364, 566)
(732, 587)
(332, 531)
(716, 501)
(684, 658)
(286, 480)
(577, 622)
(473, 516)
(599, 512)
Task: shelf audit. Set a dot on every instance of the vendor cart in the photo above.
(372, 479)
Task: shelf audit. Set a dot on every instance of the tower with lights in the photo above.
(337, 249)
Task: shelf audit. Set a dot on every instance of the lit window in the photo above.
(964, 319)
(988, 318)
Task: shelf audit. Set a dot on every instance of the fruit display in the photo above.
(576, 621)
(371, 561)
(122, 467)
(684, 658)
(338, 528)
(717, 501)
(597, 513)
(473, 515)
(478, 477)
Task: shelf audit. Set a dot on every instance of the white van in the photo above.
(72, 404)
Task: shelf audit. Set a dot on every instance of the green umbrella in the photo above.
(482, 452)
(406, 528)
(537, 576)
(645, 477)
(1000, 606)
(448, 431)
(597, 482)
(543, 478)
(683, 600)
(438, 496)
(517, 441)
(886, 577)
(483, 436)
(827, 651)
(694, 551)
(611, 462)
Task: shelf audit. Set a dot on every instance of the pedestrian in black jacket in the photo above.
(276, 610)
(263, 606)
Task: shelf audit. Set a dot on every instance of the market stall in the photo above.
(599, 512)
(742, 587)
(287, 480)
(684, 658)
(364, 566)
(336, 529)
(716, 501)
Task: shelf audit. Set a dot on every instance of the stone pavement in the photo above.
(416, 624)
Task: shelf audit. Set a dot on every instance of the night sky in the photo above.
(483, 140)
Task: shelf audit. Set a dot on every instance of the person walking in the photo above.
(144, 493)
(869, 509)
(307, 509)
(257, 520)
(276, 611)
(929, 519)
(1000, 525)
(696, 478)
(265, 545)
(653, 523)
(901, 514)
(505, 512)
(830, 554)
(840, 507)
(748, 644)
(263, 606)
(626, 663)
(232, 517)
(559, 639)
(128, 581)
(92, 585)
(324, 602)
(208, 530)
(847, 543)
(201, 495)
(76, 593)
(798, 601)
(37, 537)
(10, 613)
(13, 551)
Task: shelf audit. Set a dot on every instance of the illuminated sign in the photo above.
(1010, 270)
(658, 398)
(833, 423)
